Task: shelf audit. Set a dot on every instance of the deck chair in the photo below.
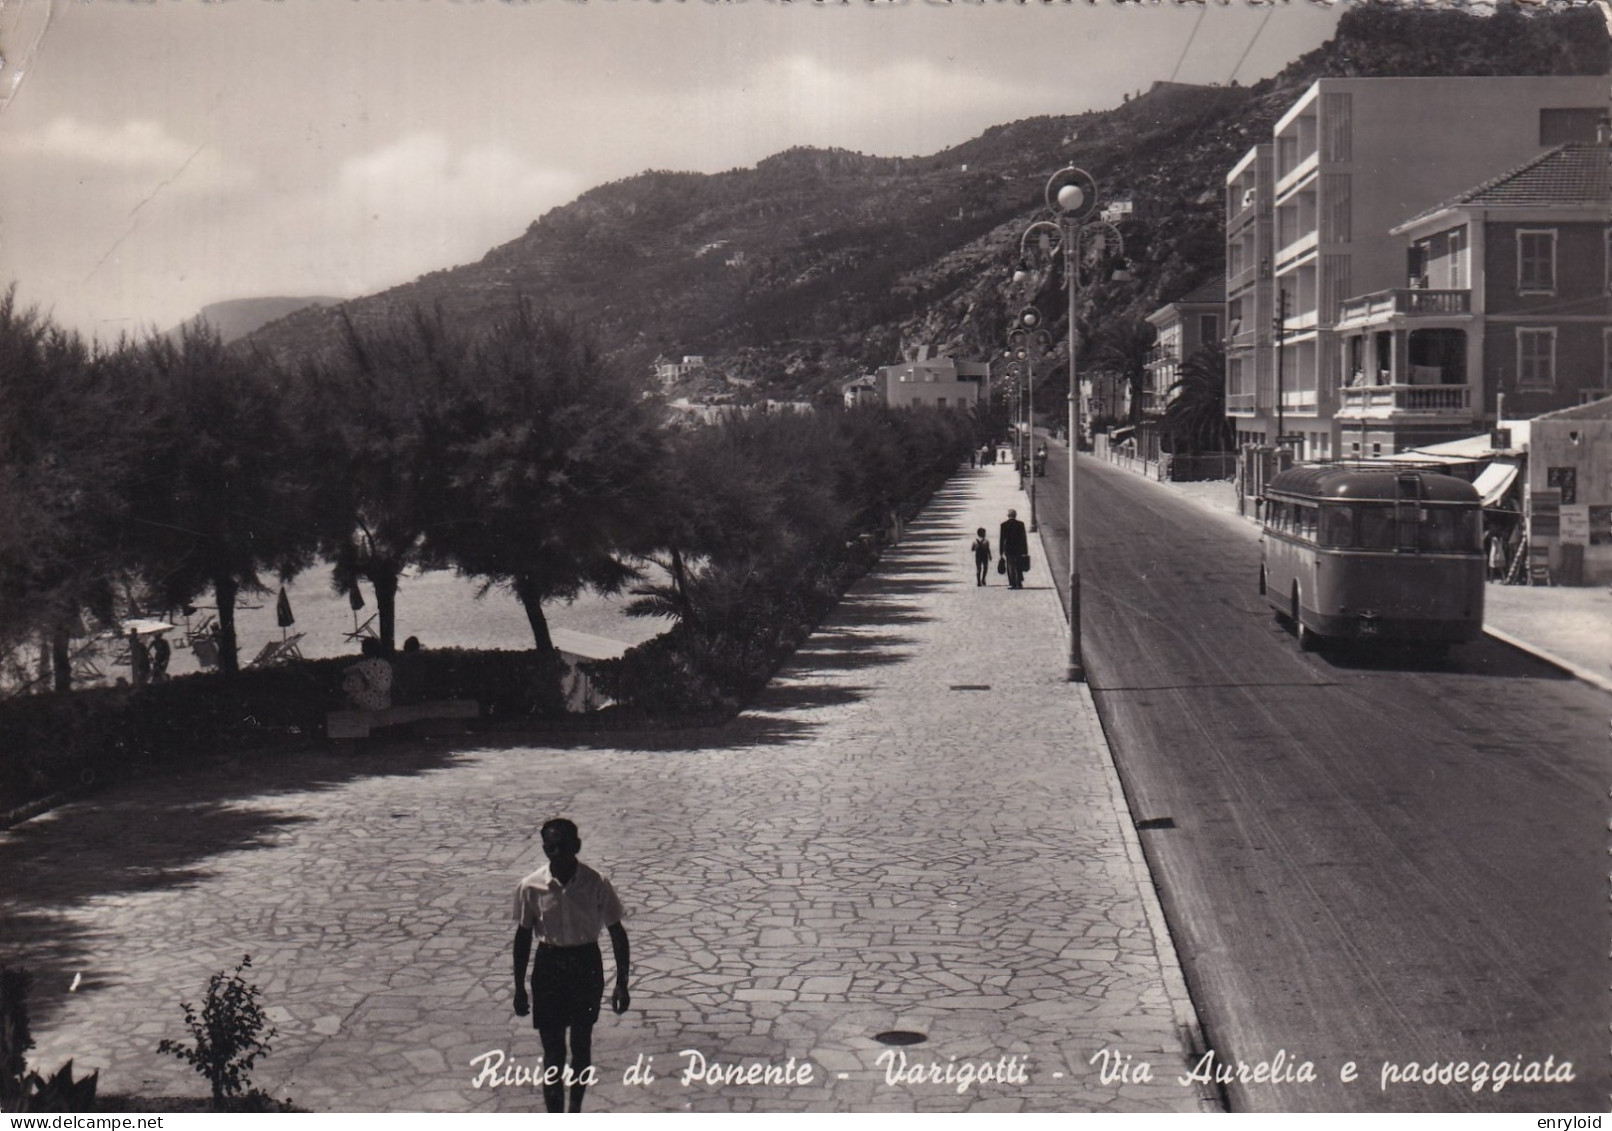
(365, 629)
(278, 652)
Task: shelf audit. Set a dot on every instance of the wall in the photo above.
(1587, 520)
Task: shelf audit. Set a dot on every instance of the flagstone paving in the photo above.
(918, 827)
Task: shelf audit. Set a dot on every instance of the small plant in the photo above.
(21, 1089)
(15, 1036)
(60, 1092)
(228, 1034)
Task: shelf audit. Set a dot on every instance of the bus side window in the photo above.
(1377, 527)
(1308, 518)
(1439, 529)
(1337, 526)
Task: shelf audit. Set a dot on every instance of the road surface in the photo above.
(1365, 858)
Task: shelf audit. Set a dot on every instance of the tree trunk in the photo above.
(224, 591)
(384, 579)
(688, 617)
(549, 695)
(61, 658)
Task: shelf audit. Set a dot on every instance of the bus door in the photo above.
(1408, 514)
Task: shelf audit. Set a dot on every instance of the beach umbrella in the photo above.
(282, 613)
(355, 598)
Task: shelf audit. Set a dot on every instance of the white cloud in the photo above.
(141, 153)
(415, 205)
(130, 145)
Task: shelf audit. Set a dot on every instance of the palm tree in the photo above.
(1196, 413)
(1124, 347)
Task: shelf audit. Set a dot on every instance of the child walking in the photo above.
(982, 557)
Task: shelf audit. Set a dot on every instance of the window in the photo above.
(1337, 526)
(1536, 260)
(1208, 328)
(1606, 359)
(1609, 261)
(1455, 259)
(1376, 527)
(1536, 359)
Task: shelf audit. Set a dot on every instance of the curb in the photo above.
(1575, 670)
(1184, 1011)
(1182, 1007)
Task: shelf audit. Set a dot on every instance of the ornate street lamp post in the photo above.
(1072, 198)
(1027, 341)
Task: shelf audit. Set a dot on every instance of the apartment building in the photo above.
(941, 382)
(1508, 310)
(1350, 160)
(1250, 287)
(1183, 327)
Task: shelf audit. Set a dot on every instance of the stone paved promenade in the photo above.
(917, 828)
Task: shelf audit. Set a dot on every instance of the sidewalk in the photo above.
(1570, 627)
(917, 828)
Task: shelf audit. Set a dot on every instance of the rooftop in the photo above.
(1577, 173)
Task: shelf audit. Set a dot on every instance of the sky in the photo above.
(160, 155)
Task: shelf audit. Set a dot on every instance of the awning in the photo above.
(1469, 449)
(1496, 480)
(586, 646)
(1121, 433)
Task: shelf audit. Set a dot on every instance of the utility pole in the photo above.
(1281, 338)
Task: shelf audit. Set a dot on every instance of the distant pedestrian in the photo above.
(1013, 543)
(139, 660)
(1497, 558)
(563, 905)
(368, 683)
(973, 457)
(161, 652)
(982, 556)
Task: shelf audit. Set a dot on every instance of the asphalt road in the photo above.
(1364, 857)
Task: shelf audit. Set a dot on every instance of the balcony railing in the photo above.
(1240, 402)
(1405, 300)
(1391, 400)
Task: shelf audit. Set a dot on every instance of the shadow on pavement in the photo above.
(1487, 657)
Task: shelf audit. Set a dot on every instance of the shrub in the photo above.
(229, 1036)
(16, 1038)
(21, 1089)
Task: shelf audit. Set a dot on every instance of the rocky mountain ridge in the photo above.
(817, 265)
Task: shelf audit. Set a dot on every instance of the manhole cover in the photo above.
(900, 1037)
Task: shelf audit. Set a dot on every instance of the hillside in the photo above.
(236, 318)
(819, 264)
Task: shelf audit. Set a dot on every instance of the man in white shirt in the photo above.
(564, 905)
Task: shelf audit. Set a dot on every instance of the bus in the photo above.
(1355, 554)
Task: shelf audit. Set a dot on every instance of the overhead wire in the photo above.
(1257, 33)
(1202, 10)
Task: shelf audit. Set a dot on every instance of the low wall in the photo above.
(1193, 469)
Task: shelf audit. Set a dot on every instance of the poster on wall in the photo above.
(1575, 528)
(1601, 526)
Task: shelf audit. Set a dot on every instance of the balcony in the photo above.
(1305, 167)
(1241, 404)
(1387, 402)
(1408, 301)
(1289, 254)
